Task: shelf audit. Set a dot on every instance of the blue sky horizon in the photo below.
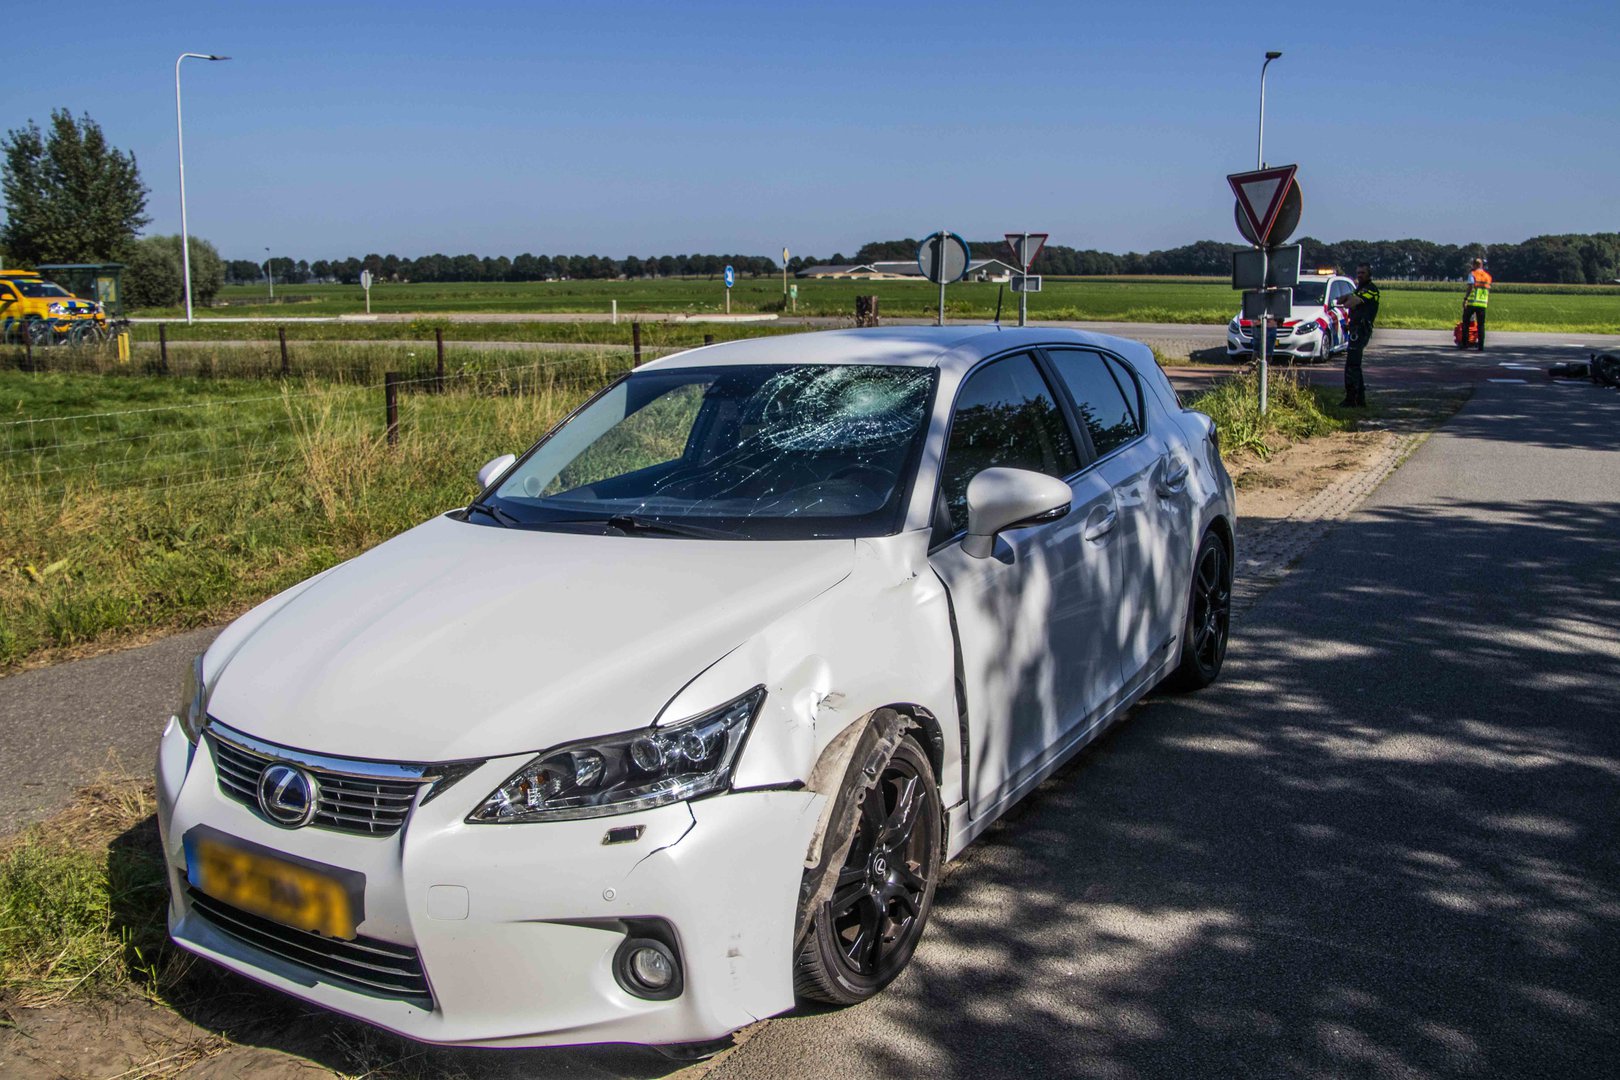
(636, 128)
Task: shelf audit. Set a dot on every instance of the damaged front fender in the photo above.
(846, 773)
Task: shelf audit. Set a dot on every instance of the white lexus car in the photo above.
(1317, 328)
(677, 721)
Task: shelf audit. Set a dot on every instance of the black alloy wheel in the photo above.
(865, 933)
(1209, 617)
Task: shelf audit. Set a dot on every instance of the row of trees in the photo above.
(1567, 259)
(1591, 258)
(524, 267)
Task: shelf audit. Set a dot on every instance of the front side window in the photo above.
(1109, 417)
(39, 289)
(1310, 294)
(1006, 416)
(751, 452)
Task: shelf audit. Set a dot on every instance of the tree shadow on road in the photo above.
(1382, 845)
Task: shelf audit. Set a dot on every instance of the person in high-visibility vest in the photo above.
(1475, 301)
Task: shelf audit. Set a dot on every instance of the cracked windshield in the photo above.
(759, 451)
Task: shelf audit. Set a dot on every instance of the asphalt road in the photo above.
(1381, 846)
(61, 726)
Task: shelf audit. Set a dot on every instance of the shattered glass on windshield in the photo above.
(779, 450)
(811, 408)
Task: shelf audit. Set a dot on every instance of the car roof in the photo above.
(950, 348)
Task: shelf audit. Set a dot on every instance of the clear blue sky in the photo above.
(644, 128)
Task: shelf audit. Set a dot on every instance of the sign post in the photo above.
(784, 272)
(365, 283)
(731, 279)
(943, 258)
(1024, 247)
(1267, 212)
(793, 296)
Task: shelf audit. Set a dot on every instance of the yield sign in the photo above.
(1260, 196)
(1025, 246)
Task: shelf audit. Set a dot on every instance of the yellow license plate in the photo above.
(275, 889)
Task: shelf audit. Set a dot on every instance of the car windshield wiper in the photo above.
(505, 520)
(630, 524)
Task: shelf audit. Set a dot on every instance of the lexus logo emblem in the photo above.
(288, 795)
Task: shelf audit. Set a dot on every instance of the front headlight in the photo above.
(193, 711)
(1233, 326)
(57, 309)
(619, 774)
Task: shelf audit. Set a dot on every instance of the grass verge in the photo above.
(150, 504)
(1296, 410)
(83, 902)
(83, 927)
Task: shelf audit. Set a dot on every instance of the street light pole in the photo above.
(180, 141)
(1263, 330)
(1260, 140)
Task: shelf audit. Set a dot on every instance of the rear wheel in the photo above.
(864, 934)
(1209, 617)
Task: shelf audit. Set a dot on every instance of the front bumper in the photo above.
(1307, 345)
(516, 926)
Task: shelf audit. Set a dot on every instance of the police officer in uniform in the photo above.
(1363, 305)
(1475, 301)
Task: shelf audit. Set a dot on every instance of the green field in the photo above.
(130, 504)
(1418, 305)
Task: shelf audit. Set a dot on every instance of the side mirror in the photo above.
(493, 468)
(1000, 499)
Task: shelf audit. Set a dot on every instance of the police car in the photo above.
(1318, 326)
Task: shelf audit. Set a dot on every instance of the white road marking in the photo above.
(1518, 367)
(1508, 380)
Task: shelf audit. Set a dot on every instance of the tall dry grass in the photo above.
(185, 515)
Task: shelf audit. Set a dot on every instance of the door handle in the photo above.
(1174, 478)
(1104, 525)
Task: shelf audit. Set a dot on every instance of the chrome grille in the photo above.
(365, 797)
(365, 965)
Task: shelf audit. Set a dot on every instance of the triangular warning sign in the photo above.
(1025, 246)
(1260, 196)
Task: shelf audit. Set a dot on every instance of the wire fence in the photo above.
(241, 433)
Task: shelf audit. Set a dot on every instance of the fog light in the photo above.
(647, 968)
(651, 968)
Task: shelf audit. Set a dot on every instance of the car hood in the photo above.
(458, 641)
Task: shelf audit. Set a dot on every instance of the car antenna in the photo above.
(1000, 289)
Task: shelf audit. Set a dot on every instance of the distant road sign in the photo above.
(365, 279)
(1026, 283)
(731, 277)
(1024, 247)
(1275, 303)
(1260, 198)
(943, 258)
(1274, 269)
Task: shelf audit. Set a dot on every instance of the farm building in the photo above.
(978, 270)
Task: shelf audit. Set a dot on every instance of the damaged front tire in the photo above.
(862, 935)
